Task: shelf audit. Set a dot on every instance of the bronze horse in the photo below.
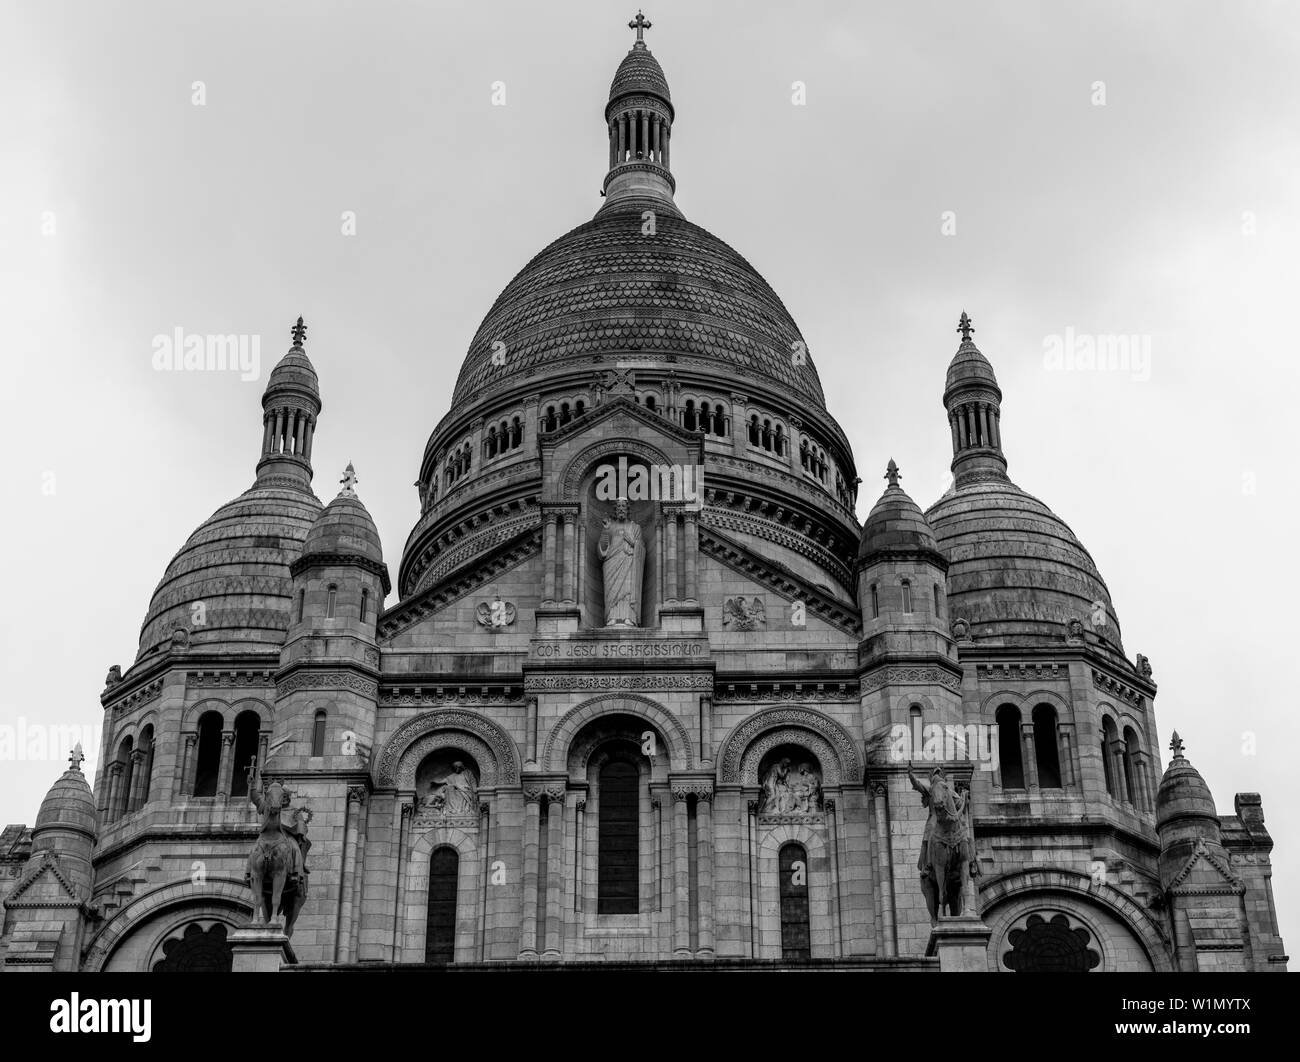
(947, 855)
(277, 870)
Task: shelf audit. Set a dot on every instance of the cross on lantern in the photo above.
(965, 327)
(640, 24)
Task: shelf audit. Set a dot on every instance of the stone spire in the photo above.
(639, 117)
(290, 406)
(974, 403)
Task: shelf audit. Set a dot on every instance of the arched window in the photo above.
(796, 938)
(688, 415)
(331, 599)
(1009, 760)
(146, 765)
(767, 435)
(365, 603)
(803, 455)
(440, 931)
(565, 414)
(1132, 785)
(125, 778)
(247, 725)
(491, 444)
(916, 719)
(579, 408)
(207, 755)
(753, 430)
(516, 432)
(318, 734)
(1109, 735)
(618, 858)
(907, 596)
(650, 402)
(1046, 757)
(875, 602)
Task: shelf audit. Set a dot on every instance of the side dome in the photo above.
(896, 526)
(639, 73)
(606, 289)
(1183, 793)
(344, 528)
(68, 806)
(236, 566)
(1017, 573)
(294, 370)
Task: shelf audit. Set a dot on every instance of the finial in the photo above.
(349, 479)
(640, 24)
(1176, 746)
(299, 333)
(74, 761)
(965, 327)
(892, 473)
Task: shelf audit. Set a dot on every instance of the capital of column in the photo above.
(356, 794)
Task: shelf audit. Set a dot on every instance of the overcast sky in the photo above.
(1161, 203)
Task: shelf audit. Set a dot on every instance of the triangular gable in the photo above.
(45, 870)
(1220, 877)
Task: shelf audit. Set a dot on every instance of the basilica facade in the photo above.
(650, 691)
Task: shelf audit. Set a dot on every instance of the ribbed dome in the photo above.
(1183, 793)
(895, 526)
(639, 72)
(1016, 571)
(605, 289)
(294, 370)
(969, 367)
(344, 527)
(237, 565)
(69, 805)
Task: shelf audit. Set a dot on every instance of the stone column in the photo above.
(311, 434)
(645, 134)
(654, 137)
(548, 558)
(268, 425)
(136, 796)
(277, 440)
(227, 766)
(347, 873)
(1118, 771)
(681, 878)
(622, 136)
(692, 549)
(704, 833)
(185, 783)
(1065, 750)
(532, 827)
(300, 432)
(884, 869)
(995, 422)
(554, 872)
(580, 565)
(667, 138)
(670, 576)
(613, 143)
(530, 727)
(568, 592)
(706, 728)
(114, 789)
(407, 811)
(956, 433)
(1029, 757)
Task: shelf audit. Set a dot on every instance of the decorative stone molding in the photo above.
(749, 523)
(911, 675)
(680, 754)
(813, 741)
(357, 794)
(581, 463)
(1023, 670)
(214, 679)
(449, 696)
(1117, 688)
(670, 680)
(504, 761)
(328, 680)
(701, 790)
(748, 692)
(417, 751)
(833, 745)
(150, 691)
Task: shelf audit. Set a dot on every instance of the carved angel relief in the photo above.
(495, 615)
(740, 615)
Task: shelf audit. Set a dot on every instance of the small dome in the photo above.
(236, 565)
(896, 525)
(294, 371)
(970, 368)
(344, 527)
(1183, 793)
(68, 806)
(639, 73)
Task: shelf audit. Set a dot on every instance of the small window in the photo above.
(907, 596)
(365, 604)
(875, 602)
(318, 735)
(330, 601)
(936, 599)
(302, 594)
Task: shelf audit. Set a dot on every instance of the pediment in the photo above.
(43, 884)
(1205, 872)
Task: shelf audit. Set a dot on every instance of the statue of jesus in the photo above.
(622, 555)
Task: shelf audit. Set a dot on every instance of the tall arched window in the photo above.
(1132, 784)
(1009, 759)
(618, 857)
(796, 938)
(125, 777)
(207, 755)
(440, 930)
(318, 734)
(1046, 757)
(907, 596)
(1108, 737)
(146, 765)
(247, 725)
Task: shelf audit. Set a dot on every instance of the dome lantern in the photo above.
(290, 405)
(974, 403)
(639, 117)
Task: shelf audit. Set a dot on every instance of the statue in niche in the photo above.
(622, 557)
(947, 860)
(455, 795)
(790, 790)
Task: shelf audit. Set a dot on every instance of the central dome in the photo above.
(607, 288)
